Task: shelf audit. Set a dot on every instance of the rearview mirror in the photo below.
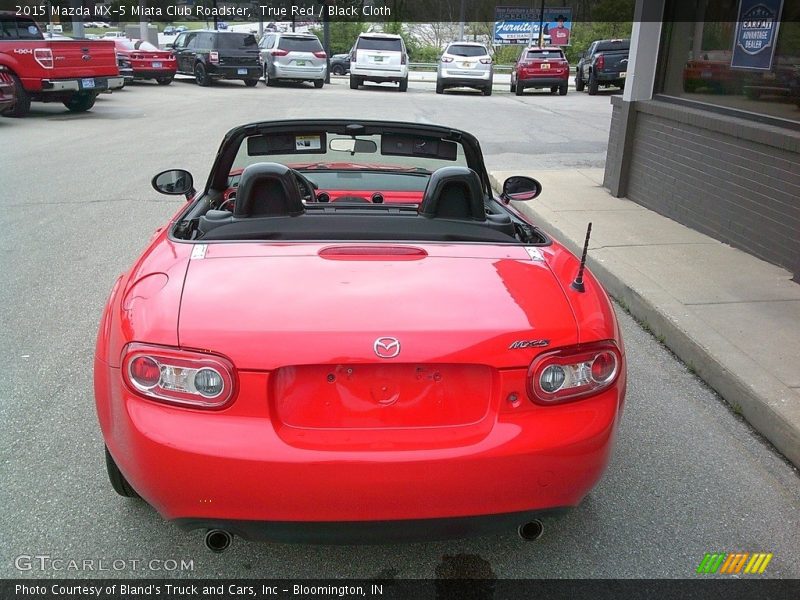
(520, 188)
(174, 182)
(353, 146)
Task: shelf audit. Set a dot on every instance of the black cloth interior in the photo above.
(268, 190)
(454, 193)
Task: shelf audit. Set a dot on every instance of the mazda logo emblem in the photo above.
(386, 347)
(86, 57)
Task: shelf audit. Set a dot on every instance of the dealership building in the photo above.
(707, 131)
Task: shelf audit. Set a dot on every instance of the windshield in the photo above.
(614, 45)
(299, 44)
(386, 44)
(460, 50)
(545, 54)
(232, 41)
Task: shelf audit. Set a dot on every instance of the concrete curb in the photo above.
(764, 401)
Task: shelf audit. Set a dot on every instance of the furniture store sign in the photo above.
(520, 24)
(756, 34)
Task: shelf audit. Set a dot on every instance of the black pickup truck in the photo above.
(604, 63)
(212, 55)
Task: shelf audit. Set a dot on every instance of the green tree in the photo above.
(343, 35)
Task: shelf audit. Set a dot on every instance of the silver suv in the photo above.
(293, 57)
(465, 64)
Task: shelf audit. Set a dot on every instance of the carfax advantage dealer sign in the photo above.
(756, 34)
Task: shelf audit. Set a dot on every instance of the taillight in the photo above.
(447, 59)
(574, 372)
(43, 56)
(182, 377)
(213, 58)
(320, 54)
(403, 59)
(600, 62)
(279, 52)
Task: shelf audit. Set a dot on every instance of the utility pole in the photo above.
(326, 40)
(143, 22)
(461, 18)
(541, 25)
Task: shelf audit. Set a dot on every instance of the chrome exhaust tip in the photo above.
(218, 540)
(531, 530)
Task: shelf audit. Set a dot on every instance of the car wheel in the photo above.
(80, 102)
(579, 84)
(562, 91)
(117, 479)
(200, 75)
(251, 82)
(439, 87)
(164, 80)
(593, 84)
(22, 106)
(487, 91)
(404, 84)
(337, 70)
(318, 83)
(518, 89)
(354, 82)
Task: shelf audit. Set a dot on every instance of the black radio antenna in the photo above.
(577, 284)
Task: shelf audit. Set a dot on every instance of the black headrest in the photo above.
(454, 193)
(267, 190)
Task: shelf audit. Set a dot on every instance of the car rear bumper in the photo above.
(615, 76)
(450, 78)
(370, 532)
(153, 73)
(370, 74)
(299, 73)
(240, 465)
(78, 85)
(541, 82)
(226, 72)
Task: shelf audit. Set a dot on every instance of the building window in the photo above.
(698, 61)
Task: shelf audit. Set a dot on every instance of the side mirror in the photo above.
(520, 188)
(175, 182)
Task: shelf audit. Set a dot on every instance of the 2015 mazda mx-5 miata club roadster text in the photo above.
(346, 336)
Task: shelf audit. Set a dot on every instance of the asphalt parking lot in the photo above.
(687, 477)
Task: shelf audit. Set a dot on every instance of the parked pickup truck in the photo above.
(54, 70)
(604, 63)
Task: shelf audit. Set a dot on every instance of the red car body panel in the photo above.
(320, 430)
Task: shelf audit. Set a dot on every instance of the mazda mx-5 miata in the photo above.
(346, 336)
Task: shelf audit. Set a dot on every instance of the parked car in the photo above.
(54, 70)
(605, 64)
(222, 25)
(465, 64)
(340, 64)
(293, 57)
(379, 57)
(484, 391)
(212, 55)
(181, 29)
(108, 35)
(711, 72)
(170, 30)
(147, 61)
(8, 94)
(541, 68)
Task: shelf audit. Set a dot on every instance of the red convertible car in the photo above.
(146, 60)
(346, 336)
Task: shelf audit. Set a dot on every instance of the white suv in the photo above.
(379, 57)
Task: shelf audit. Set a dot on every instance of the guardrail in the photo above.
(432, 66)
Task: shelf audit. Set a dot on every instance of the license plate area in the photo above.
(156, 65)
(376, 396)
(242, 71)
(87, 83)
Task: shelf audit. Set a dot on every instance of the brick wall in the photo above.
(732, 179)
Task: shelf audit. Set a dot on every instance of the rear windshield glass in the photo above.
(458, 50)
(390, 44)
(543, 54)
(141, 45)
(11, 29)
(232, 41)
(617, 45)
(299, 44)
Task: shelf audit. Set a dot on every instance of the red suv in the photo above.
(541, 68)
